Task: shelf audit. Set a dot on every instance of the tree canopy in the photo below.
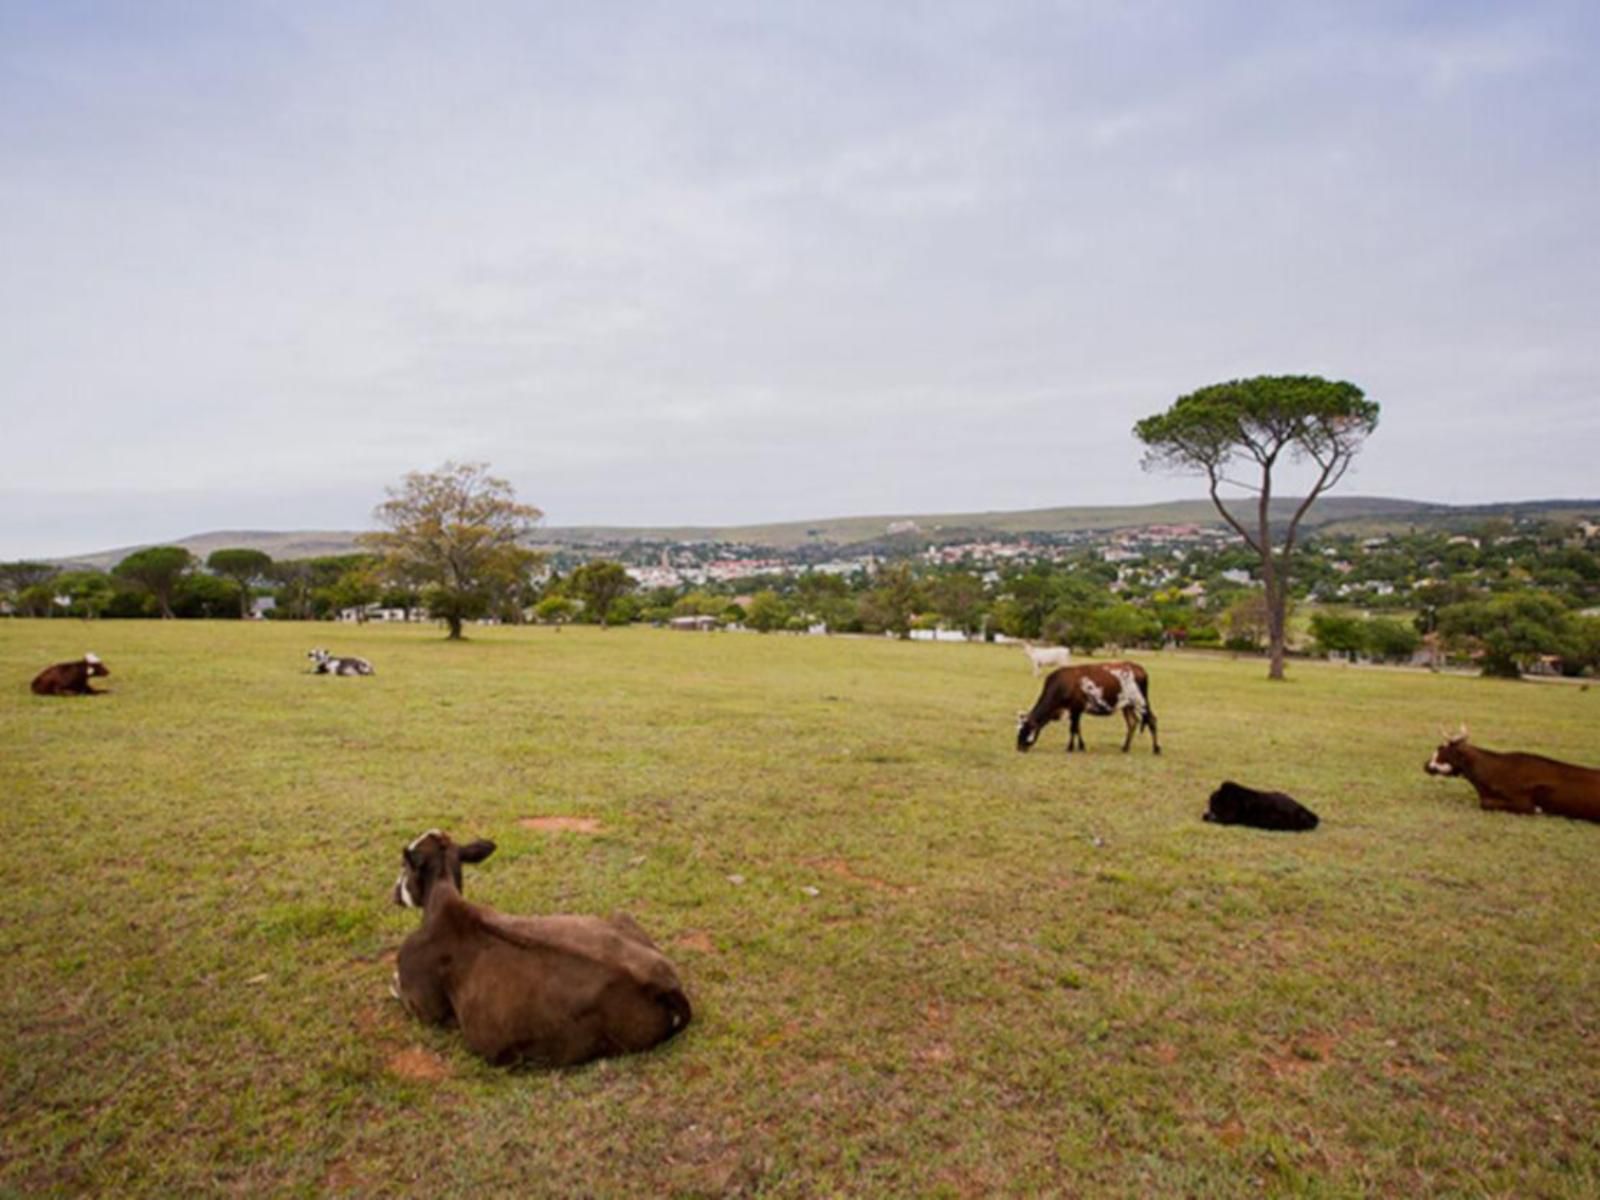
(1257, 424)
(600, 585)
(243, 566)
(457, 533)
(158, 570)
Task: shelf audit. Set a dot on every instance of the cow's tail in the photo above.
(1147, 719)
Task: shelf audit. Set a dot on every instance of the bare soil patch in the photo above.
(841, 869)
(416, 1063)
(697, 940)
(562, 824)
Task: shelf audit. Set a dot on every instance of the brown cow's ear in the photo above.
(474, 852)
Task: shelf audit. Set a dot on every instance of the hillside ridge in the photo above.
(1347, 513)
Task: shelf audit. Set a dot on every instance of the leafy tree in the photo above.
(767, 611)
(358, 585)
(1511, 630)
(553, 610)
(294, 588)
(1391, 639)
(244, 567)
(38, 599)
(457, 533)
(91, 592)
(1125, 625)
(823, 596)
(698, 603)
(600, 585)
(1261, 421)
(888, 607)
(205, 596)
(158, 570)
(22, 576)
(957, 596)
(1339, 633)
(1246, 622)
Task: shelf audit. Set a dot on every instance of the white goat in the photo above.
(1043, 657)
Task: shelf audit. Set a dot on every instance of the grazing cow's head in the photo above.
(430, 858)
(96, 667)
(1449, 758)
(318, 656)
(1027, 731)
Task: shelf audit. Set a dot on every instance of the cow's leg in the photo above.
(419, 986)
(1150, 720)
(1131, 720)
(1496, 802)
(1074, 735)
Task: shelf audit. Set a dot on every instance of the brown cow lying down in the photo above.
(1520, 783)
(70, 678)
(548, 990)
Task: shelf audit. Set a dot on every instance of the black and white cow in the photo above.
(1098, 689)
(324, 663)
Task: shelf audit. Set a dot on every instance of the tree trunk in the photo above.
(1276, 633)
(455, 628)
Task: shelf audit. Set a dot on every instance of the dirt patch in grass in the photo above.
(841, 869)
(697, 940)
(416, 1063)
(343, 1179)
(562, 824)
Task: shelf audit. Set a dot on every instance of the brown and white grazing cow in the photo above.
(1520, 783)
(1098, 689)
(552, 990)
(70, 678)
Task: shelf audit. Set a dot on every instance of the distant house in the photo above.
(700, 623)
(374, 612)
(261, 606)
(938, 635)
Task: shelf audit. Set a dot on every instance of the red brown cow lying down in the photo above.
(1520, 783)
(70, 678)
(548, 990)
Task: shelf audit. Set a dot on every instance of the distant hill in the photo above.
(1345, 514)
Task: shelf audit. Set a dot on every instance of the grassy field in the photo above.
(1016, 975)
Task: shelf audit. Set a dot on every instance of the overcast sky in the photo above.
(715, 263)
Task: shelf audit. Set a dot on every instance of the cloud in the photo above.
(703, 264)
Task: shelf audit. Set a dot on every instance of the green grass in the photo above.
(1020, 974)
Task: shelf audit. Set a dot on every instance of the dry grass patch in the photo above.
(562, 824)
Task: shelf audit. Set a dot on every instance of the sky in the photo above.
(720, 263)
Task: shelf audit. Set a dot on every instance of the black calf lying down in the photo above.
(1235, 804)
(552, 990)
(324, 663)
(70, 678)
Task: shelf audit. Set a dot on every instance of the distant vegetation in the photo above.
(1506, 596)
